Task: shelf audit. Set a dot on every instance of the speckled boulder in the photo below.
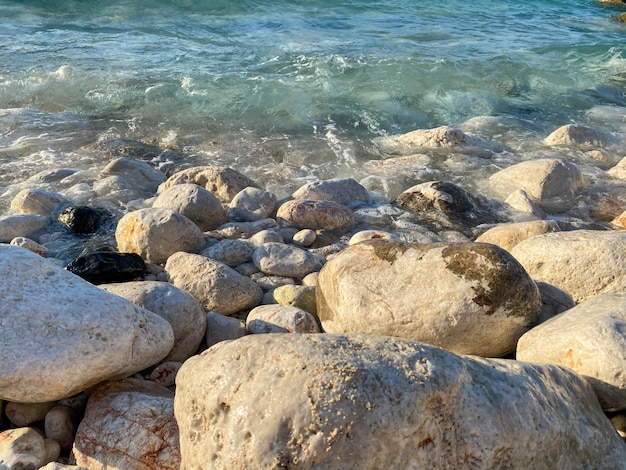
(589, 339)
(327, 215)
(195, 203)
(155, 233)
(216, 286)
(469, 298)
(223, 182)
(280, 319)
(363, 402)
(583, 263)
(128, 424)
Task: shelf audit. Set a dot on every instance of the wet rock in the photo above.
(583, 263)
(60, 425)
(22, 449)
(78, 335)
(252, 204)
(222, 328)
(194, 202)
(509, 235)
(445, 205)
(398, 166)
(102, 267)
(280, 319)
(278, 259)
(586, 138)
(365, 402)
(619, 170)
(589, 339)
(327, 215)
(23, 225)
(30, 245)
(602, 202)
(521, 202)
(25, 414)
(439, 137)
(156, 233)
(81, 219)
(128, 424)
(302, 297)
(344, 191)
(551, 183)
(142, 175)
(468, 298)
(38, 201)
(216, 286)
(184, 314)
(229, 252)
(163, 158)
(223, 182)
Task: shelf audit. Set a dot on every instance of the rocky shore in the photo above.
(204, 322)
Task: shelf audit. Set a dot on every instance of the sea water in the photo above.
(291, 91)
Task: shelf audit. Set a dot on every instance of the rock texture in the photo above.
(508, 235)
(128, 424)
(194, 202)
(586, 138)
(77, 334)
(278, 259)
(589, 339)
(469, 298)
(583, 263)
(438, 137)
(223, 182)
(280, 319)
(38, 201)
(22, 449)
(364, 402)
(327, 215)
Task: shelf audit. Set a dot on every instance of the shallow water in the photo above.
(293, 91)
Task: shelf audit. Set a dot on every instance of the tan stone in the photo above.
(327, 215)
(509, 235)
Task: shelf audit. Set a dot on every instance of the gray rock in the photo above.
(223, 328)
(265, 236)
(365, 402)
(583, 263)
(229, 252)
(128, 424)
(60, 424)
(278, 259)
(326, 215)
(234, 230)
(521, 202)
(23, 225)
(280, 319)
(216, 286)
(141, 175)
(553, 301)
(38, 202)
(181, 310)
(25, 414)
(344, 191)
(78, 335)
(269, 283)
(589, 339)
(469, 298)
(252, 204)
(194, 202)
(156, 233)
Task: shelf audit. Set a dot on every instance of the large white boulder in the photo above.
(590, 339)
(469, 298)
(61, 335)
(365, 402)
(583, 263)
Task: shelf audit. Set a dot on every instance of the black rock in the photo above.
(102, 267)
(81, 219)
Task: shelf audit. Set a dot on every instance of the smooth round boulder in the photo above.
(194, 202)
(586, 138)
(344, 191)
(156, 233)
(583, 263)
(278, 259)
(363, 402)
(22, 449)
(21, 225)
(468, 298)
(215, 285)
(252, 204)
(38, 201)
(179, 308)
(327, 215)
(143, 176)
(508, 235)
(280, 319)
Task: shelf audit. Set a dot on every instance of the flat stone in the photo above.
(362, 402)
(278, 259)
(280, 319)
(438, 137)
(30, 245)
(229, 252)
(194, 202)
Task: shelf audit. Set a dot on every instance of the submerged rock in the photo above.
(102, 267)
(81, 219)
(366, 402)
(38, 201)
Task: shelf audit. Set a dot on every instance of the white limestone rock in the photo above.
(223, 182)
(128, 424)
(468, 298)
(165, 373)
(553, 301)
(346, 191)
(156, 233)
(38, 202)
(181, 310)
(304, 237)
(508, 235)
(589, 339)
(363, 402)
(194, 202)
(364, 235)
(551, 183)
(21, 225)
(233, 230)
(216, 286)
(619, 170)
(78, 335)
(280, 319)
(438, 137)
(583, 263)
(252, 204)
(278, 259)
(22, 449)
(223, 328)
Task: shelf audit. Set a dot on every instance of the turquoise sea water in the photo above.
(249, 82)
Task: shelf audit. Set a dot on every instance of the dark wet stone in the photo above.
(165, 160)
(103, 267)
(81, 219)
